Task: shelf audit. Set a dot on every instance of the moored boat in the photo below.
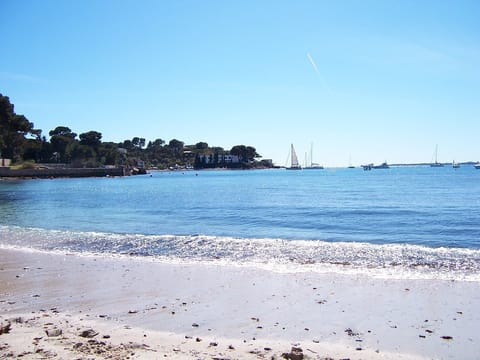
(294, 165)
(436, 163)
(383, 165)
(312, 165)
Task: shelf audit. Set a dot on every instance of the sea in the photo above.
(403, 222)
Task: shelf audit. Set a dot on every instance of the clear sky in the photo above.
(366, 80)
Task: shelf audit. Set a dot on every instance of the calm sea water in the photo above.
(401, 222)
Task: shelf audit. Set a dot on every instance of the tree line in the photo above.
(21, 142)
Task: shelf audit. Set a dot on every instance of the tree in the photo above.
(201, 146)
(63, 131)
(176, 146)
(252, 153)
(13, 129)
(138, 142)
(60, 138)
(91, 138)
(245, 153)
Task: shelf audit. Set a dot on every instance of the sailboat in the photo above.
(294, 165)
(436, 163)
(350, 166)
(312, 164)
(455, 165)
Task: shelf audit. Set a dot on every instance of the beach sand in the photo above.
(83, 307)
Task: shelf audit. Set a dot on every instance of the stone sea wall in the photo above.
(61, 172)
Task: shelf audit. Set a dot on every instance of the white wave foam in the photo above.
(279, 255)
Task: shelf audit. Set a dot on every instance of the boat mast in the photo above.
(311, 154)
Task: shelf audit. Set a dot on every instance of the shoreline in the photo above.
(154, 309)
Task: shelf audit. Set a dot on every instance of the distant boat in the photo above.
(436, 163)
(294, 165)
(367, 167)
(350, 166)
(312, 164)
(455, 165)
(477, 166)
(383, 165)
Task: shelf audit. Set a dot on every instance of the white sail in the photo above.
(293, 159)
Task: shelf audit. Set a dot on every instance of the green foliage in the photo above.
(91, 138)
(21, 142)
(13, 130)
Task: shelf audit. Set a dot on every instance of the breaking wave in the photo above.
(385, 261)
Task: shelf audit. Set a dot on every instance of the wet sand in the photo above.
(79, 307)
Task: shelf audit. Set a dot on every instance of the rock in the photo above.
(5, 329)
(294, 354)
(89, 333)
(350, 332)
(53, 332)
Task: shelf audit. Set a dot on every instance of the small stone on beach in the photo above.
(5, 329)
(294, 354)
(53, 332)
(89, 333)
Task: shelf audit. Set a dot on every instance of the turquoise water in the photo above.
(401, 220)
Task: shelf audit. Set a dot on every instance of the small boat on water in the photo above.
(294, 165)
(312, 164)
(455, 165)
(383, 165)
(350, 166)
(436, 163)
(477, 166)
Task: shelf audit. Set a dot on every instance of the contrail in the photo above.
(324, 83)
(313, 63)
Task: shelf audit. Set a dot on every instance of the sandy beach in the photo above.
(83, 307)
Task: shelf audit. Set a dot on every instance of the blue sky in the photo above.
(366, 80)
